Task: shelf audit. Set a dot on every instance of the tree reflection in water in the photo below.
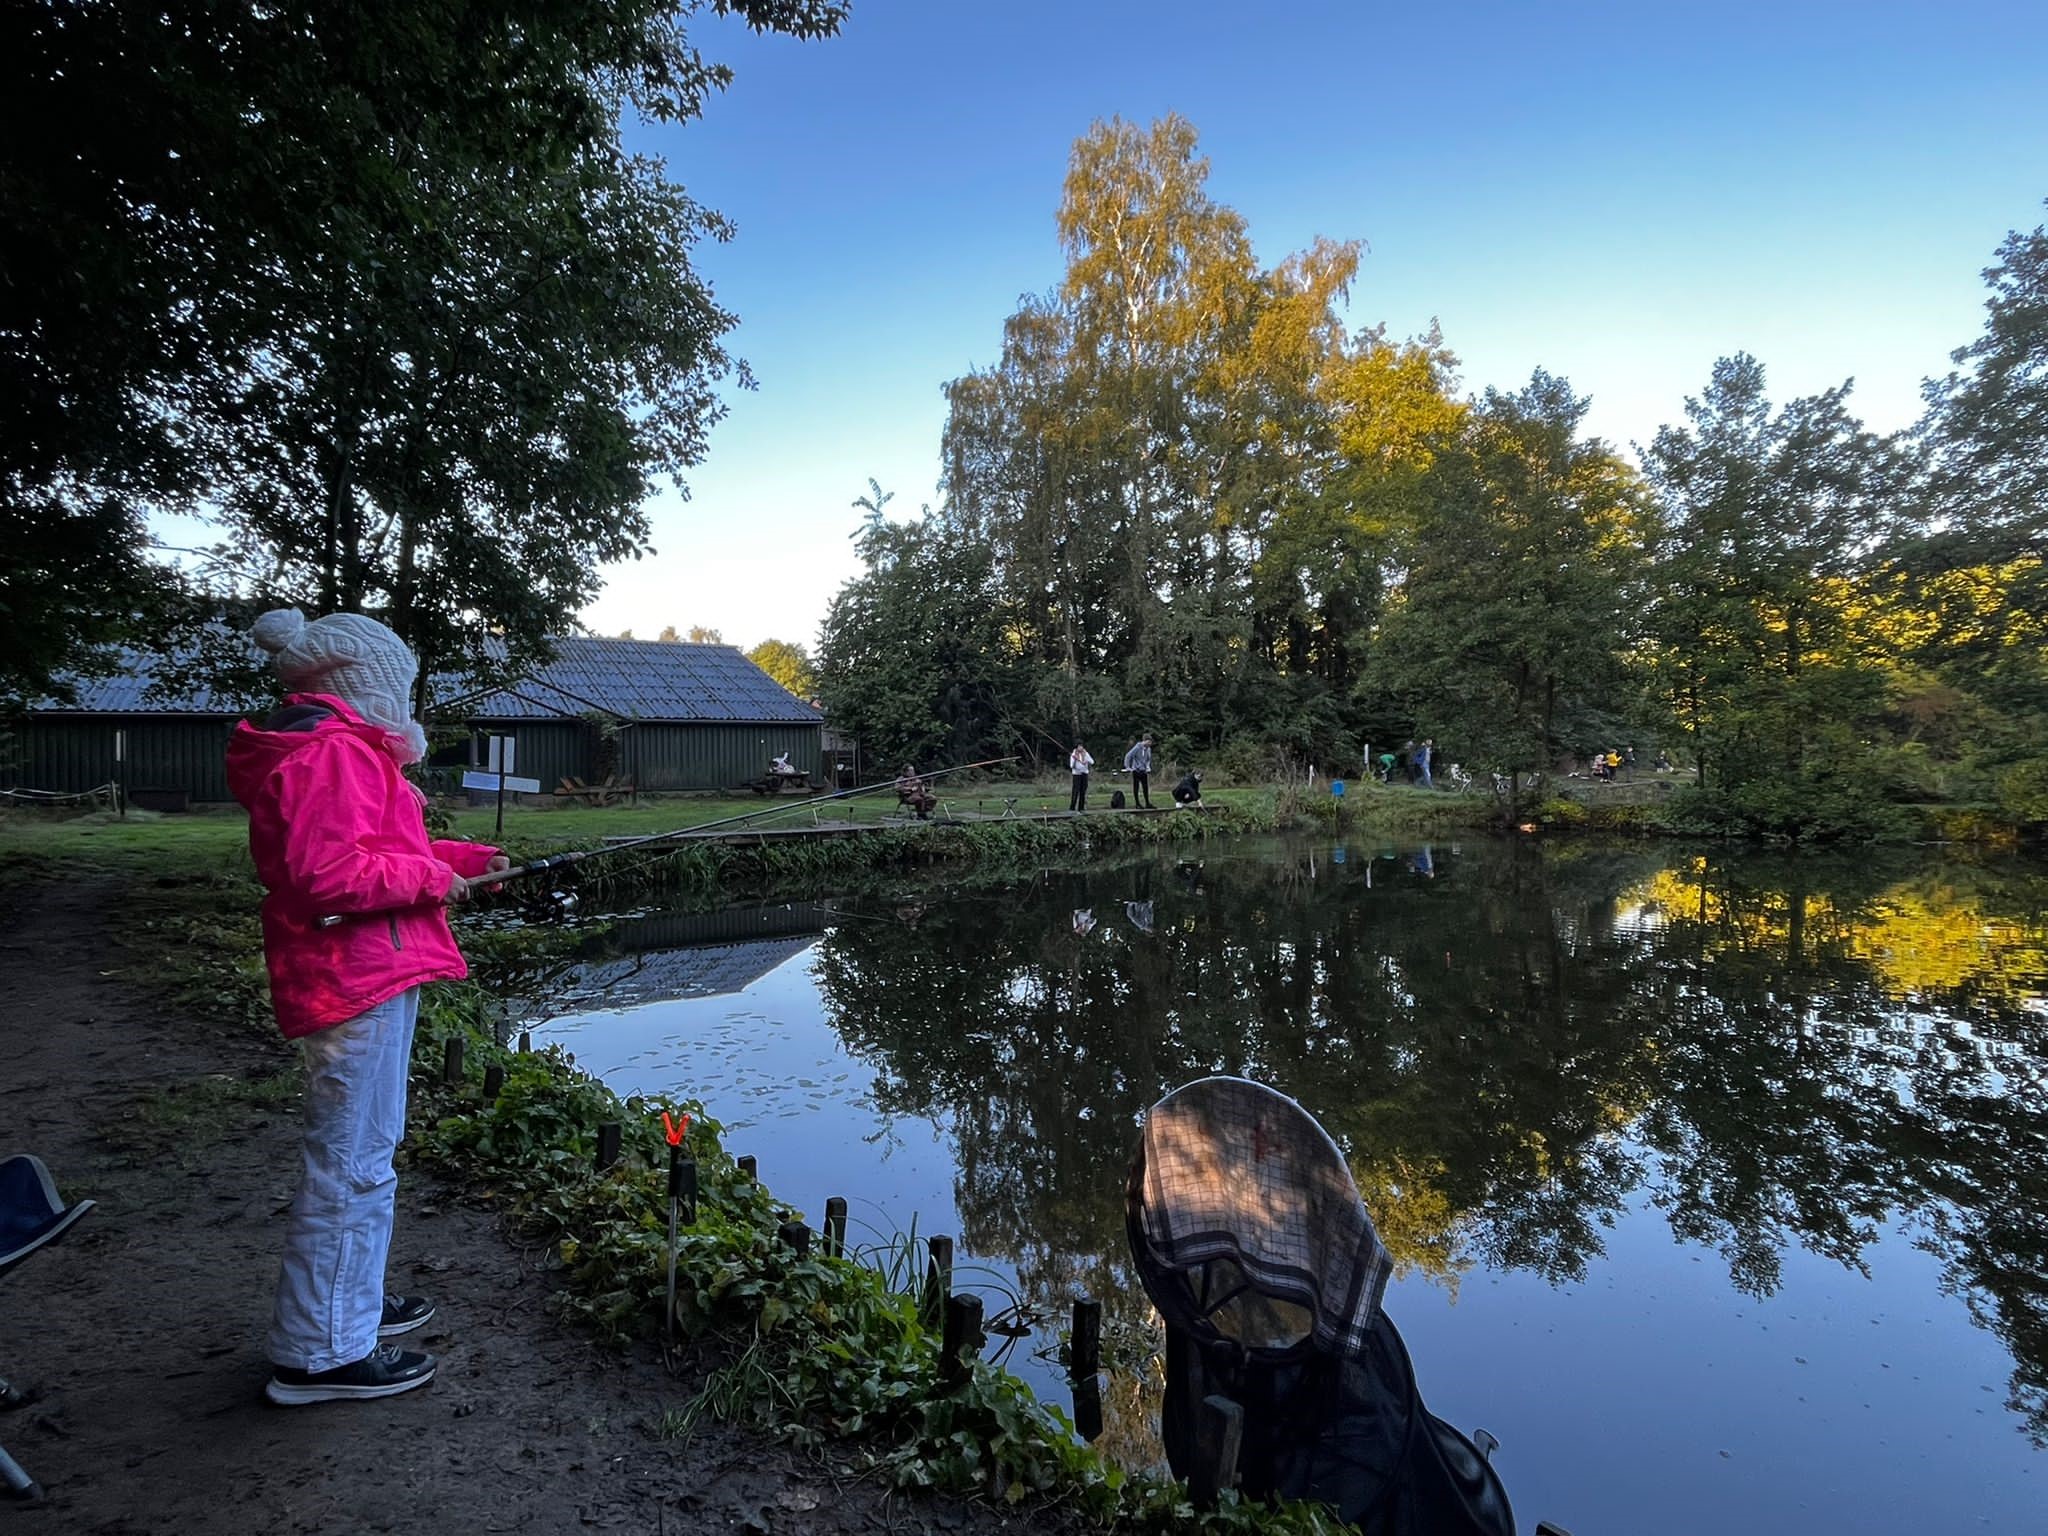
(1509, 1043)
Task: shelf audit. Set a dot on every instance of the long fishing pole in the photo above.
(559, 861)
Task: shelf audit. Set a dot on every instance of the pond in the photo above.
(1718, 1183)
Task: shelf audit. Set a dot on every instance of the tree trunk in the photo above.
(1699, 751)
(1795, 744)
(404, 610)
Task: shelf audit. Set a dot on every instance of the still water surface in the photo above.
(1718, 1184)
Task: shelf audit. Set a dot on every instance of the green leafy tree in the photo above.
(377, 286)
(1988, 421)
(1521, 583)
(788, 663)
(1191, 477)
(913, 658)
(1980, 570)
(1771, 517)
(872, 505)
(1082, 458)
(73, 583)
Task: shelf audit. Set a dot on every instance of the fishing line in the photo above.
(561, 861)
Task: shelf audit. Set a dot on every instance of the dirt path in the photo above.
(142, 1332)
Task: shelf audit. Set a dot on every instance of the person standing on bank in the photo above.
(336, 828)
(1138, 763)
(1078, 764)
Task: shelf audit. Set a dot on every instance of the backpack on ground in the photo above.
(1116, 800)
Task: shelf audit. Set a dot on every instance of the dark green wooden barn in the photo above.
(659, 715)
(656, 714)
(123, 730)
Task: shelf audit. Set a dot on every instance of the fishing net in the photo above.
(1252, 1241)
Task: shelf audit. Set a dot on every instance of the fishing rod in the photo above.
(560, 861)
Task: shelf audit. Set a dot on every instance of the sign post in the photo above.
(497, 775)
(121, 774)
(501, 763)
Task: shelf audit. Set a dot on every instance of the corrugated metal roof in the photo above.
(636, 679)
(129, 692)
(641, 680)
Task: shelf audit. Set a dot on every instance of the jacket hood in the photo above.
(255, 751)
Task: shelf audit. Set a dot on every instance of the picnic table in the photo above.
(610, 792)
(798, 783)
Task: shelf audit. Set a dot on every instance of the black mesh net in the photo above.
(1252, 1241)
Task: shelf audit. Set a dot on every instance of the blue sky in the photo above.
(1616, 192)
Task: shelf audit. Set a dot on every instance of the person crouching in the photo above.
(1187, 794)
(336, 828)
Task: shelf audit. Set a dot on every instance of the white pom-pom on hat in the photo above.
(277, 629)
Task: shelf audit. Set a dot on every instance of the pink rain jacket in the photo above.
(335, 827)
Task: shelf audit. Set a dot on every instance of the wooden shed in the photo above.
(658, 714)
(121, 729)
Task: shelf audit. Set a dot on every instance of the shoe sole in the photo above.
(393, 1330)
(286, 1395)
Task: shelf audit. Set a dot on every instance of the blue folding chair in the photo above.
(31, 1218)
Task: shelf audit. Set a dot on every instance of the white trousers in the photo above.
(330, 1293)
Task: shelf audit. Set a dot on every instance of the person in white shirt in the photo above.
(1078, 764)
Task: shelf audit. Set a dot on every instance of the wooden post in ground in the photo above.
(797, 1237)
(608, 1136)
(451, 1061)
(938, 1280)
(1088, 1407)
(682, 1180)
(747, 1167)
(835, 1227)
(494, 1082)
(1219, 1434)
(961, 1340)
(1084, 1346)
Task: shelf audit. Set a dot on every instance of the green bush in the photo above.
(1819, 808)
(1245, 760)
(1902, 773)
(1562, 814)
(2023, 791)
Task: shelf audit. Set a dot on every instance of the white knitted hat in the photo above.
(355, 658)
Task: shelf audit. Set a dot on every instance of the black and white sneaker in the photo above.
(385, 1372)
(402, 1314)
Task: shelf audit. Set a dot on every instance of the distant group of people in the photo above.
(1411, 764)
(1416, 763)
(1138, 763)
(1613, 762)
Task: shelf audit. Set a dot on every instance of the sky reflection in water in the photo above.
(1719, 1183)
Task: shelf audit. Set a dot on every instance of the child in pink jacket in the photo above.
(335, 828)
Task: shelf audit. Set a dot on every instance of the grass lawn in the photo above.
(217, 838)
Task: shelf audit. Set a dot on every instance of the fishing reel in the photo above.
(543, 901)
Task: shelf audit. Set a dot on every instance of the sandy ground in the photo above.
(140, 1335)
